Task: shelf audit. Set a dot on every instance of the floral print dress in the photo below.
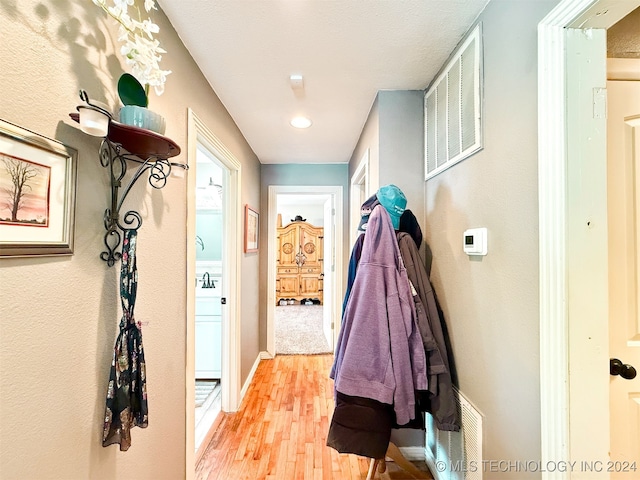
(127, 392)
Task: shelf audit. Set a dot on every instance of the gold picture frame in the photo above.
(251, 229)
(38, 178)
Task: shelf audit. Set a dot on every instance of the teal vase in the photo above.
(143, 118)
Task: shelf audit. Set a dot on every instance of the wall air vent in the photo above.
(453, 108)
(456, 455)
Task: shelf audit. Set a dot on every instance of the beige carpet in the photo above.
(299, 330)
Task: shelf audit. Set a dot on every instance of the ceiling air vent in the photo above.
(453, 109)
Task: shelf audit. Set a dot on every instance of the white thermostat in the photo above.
(474, 241)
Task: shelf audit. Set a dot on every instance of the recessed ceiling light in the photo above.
(300, 122)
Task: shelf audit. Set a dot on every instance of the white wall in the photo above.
(314, 214)
(59, 316)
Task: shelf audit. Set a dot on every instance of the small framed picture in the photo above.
(37, 194)
(251, 229)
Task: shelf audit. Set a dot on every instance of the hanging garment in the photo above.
(361, 426)
(378, 340)
(126, 405)
(356, 252)
(408, 224)
(380, 354)
(441, 401)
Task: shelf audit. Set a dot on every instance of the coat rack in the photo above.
(151, 151)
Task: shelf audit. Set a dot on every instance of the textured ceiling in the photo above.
(346, 50)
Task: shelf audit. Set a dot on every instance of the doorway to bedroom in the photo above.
(300, 250)
(303, 303)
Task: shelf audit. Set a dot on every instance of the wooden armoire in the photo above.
(299, 262)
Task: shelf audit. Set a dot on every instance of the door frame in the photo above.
(574, 343)
(360, 182)
(274, 191)
(198, 132)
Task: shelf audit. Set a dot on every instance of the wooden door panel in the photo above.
(311, 244)
(288, 247)
(308, 285)
(289, 285)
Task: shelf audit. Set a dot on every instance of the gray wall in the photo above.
(59, 315)
(394, 136)
(369, 139)
(393, 133)
(491, 304)
(401, 130)
(297, 175)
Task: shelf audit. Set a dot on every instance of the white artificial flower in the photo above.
(123, 3)
(149, 28)
(149, 5)
(123, 34)
(140, 50)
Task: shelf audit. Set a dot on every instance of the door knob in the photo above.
(616, 367)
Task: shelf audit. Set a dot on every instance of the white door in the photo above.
(623, 196)
(328, 269)
(212, 177)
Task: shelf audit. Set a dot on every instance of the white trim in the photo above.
(413, 454)
(274, 190)
(264, 355)
(360, 177)
(271, 272)
(557, 438)
(554, 389)
(247, 382)
(197, 132)
(232, 254)
(587, 236)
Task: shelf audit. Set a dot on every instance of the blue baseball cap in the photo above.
(394, 202)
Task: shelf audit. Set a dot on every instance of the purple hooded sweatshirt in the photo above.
(380, 353)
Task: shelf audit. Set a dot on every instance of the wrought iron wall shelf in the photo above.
(151, 151)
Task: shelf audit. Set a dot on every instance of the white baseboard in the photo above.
(413, 454)
(247, 382)
(264, 355)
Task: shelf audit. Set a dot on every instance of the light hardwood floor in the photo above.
(280, 431)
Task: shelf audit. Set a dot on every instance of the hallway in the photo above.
(281, 428)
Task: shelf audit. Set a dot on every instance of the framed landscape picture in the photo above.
(37, 194)
(251, 224)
